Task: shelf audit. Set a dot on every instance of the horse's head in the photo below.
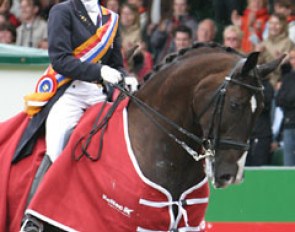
(228, 114)
(206, 97)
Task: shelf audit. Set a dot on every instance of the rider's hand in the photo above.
(110, 75)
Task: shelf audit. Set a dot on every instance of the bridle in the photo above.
(212, 140)
(214, 128)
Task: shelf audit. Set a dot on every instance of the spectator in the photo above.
(277, 43)
(7, 33)
(182, 38)
(161, 39)
(206, 31)
(129, 26)
(113, 5)
(131, 35)
(260, 152)
(181, 15)
(143, 13)
(137, 60)
(232, 37)
(286, 100)
(252, 23)
(5, 10)
(287, 8)
(33, 29)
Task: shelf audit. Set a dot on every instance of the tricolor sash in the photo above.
(92, 50)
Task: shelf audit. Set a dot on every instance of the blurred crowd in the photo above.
(151, 29)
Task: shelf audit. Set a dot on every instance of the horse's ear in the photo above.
(267, 68)
(250, 63)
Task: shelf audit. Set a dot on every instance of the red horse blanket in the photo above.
(111, 194)
(16, 179)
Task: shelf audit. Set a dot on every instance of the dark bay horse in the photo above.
(200, 103)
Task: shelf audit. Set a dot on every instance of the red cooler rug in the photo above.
(16, 179)
(111, 194)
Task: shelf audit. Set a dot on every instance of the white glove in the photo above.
(131, 83)
(110, 75)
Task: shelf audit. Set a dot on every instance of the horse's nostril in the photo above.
(225, 177)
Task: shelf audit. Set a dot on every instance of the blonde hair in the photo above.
(235, 29)
(134, 10)
(283, 21)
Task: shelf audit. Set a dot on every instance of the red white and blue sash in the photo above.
(92, 50)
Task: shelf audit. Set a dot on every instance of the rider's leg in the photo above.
(62, 118)
(44, 166)
(66, 112)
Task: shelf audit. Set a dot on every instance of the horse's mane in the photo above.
(197, 46)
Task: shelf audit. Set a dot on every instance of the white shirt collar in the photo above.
(92, 6)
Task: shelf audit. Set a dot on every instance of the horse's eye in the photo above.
(235, 106)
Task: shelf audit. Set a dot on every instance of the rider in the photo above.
(84, 46)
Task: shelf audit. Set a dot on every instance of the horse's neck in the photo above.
(160, 158)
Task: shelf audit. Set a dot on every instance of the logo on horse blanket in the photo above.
(112, 194)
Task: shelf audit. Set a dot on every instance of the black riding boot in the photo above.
(31, 224)
(44, 166)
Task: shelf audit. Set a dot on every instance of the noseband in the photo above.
(213, 140)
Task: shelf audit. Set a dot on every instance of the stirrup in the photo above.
(32, 225)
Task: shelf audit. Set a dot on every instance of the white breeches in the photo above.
(66, 112)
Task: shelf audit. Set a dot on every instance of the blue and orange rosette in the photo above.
(45, 89)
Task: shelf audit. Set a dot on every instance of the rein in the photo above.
(212, 142)
(149, 112)
(99, 124)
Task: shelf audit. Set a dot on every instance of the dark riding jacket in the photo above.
(69, 26)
